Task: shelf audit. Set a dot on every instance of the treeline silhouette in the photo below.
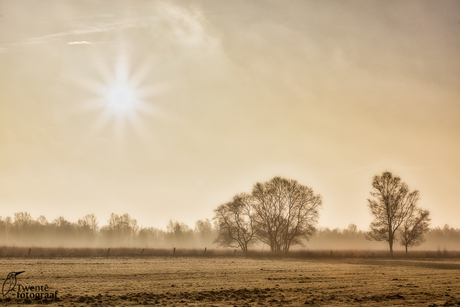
(445, 238)
(123, 231)
(120, 231)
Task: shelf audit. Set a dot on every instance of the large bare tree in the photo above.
(414, 226)
(392, 204)
(286, 212)
(235, 223)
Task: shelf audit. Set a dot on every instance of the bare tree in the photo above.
(87, 228)
(150, 237)
(42, 220)
(89, 221)
(204, 231)
(121, 229)
(22, 219)
(235, 223)
(392, 204)
(286, 212)
(179, 234)
(414, 226)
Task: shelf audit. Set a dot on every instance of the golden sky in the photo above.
(166, 109)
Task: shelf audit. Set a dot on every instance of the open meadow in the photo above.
(228, 281)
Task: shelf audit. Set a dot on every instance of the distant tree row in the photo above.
(120, 231)
(280, 213)
(22, 230)
(351, 238)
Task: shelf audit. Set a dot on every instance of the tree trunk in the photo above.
(406, 249)
(390, 240)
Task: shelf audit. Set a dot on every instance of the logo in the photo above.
(10, 282)
(37, 292)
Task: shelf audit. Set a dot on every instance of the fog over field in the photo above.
(123, 232)
(164, 110)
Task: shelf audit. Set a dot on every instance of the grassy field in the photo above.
(53, 252)
(241, 281)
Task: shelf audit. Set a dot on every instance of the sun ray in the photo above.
(120, 96)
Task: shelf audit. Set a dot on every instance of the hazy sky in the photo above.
(166, 109)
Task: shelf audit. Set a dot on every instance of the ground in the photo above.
(236, 281)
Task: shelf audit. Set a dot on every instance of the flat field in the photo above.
(240, 281)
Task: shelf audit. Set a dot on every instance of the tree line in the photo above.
(280, 213)
(180, 235)
(444, 238)
(120, 231)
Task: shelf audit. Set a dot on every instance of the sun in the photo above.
(121, 95)
(121, 98)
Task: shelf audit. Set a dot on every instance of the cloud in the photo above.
(188, 25)
(183, 27)
(100, 28)
(79, 43)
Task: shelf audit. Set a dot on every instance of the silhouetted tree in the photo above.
(89, 221)
(203, 227)
(179, 233)
(204, 231)
(120, 229)
(22, 227)
(286, 212)
(414, 226)
(352, 228)
(150, 237)
(392, 204)
(5, 228)
(42, 220)
(235, 222)
(22, 219)
(87, 228)
(61, 222)
(64, 231)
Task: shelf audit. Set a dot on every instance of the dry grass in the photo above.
(241, 281)
(41, 252)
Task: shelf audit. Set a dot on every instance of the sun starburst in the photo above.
(119, 99)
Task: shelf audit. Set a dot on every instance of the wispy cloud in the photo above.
(186, 27)
(100, 28)
(79, 43)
